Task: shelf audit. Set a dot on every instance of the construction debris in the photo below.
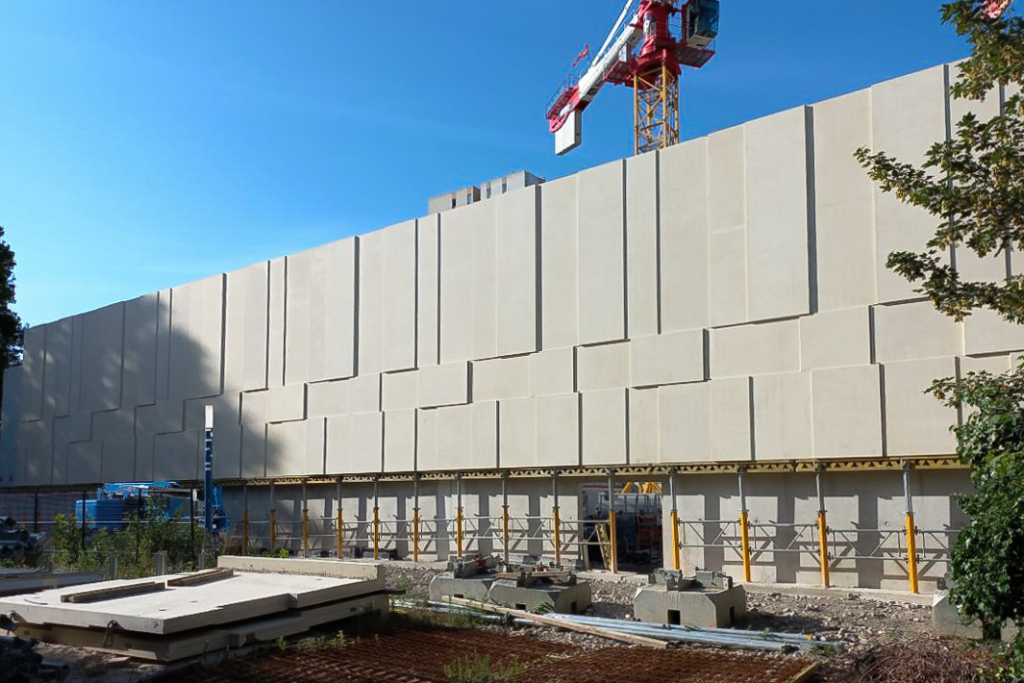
(924, 659)
(18, 545)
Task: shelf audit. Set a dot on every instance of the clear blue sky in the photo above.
(146, 144)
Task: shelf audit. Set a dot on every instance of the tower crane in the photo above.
(645, 50)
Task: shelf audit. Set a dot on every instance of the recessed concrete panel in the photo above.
(113, 423)
(485, 434)
(36, 443)
(58, 373)
(245, 330)
(778, 272)
(518, 429)
(836, 338)
(759, 349)
(286, 404)
(443, 385)
(991, 364)
(484, 284)
(176, 456)
(11, 468)
(843, 201)
(85, 462)
(197, 329)
(558, 430)
(727, 280)
(371, 301)
(367, 454)
(426, 439)
(916, 423)
(553, 372)
(428, 291)
(140, 325)
(365, 394)
(457, 256)
(604, 418)
(327, 398)
(454, 436)
(339, 457)
(643, 426)
(276, 322)
(161, 418)
(295, 448)
(847, 409)
(915, 330)
(517, 233)
(400, 391)
(642, 244)
(782, 416)
(398, 315)
(117, 458)
(667, 358)
(400, 441)
(255, 407)
(684, 423)
(727, 189)
(33, 364)
(603, 367)
(501, 378)
(321, 313)
(683, 236)
(254, 451)
(987, 332)
(165, 302)
(731, 418)
(602, 255)
(559, 264)
(908, 117)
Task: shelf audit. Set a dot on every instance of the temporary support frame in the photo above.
(744, 526)
(674, 514)
(911, 532)
(822, 529)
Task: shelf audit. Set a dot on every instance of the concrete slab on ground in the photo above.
(799, 590)
(365, 571)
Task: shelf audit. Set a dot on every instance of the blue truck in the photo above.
(116, 502)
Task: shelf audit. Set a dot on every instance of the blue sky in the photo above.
(146, 144)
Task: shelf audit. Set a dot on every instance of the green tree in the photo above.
(974, 186)
(11, 330)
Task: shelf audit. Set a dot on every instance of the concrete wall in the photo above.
(724, 299)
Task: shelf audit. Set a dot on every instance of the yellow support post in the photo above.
(458, 531)
(745, 542)
(245, 532)
(558, 536)
(273, 530)
(912, 553)
(823, 545)
(376, 533)
(676, 564)
(305, 532)
(341, 533)
(613, 542)
(416, 535)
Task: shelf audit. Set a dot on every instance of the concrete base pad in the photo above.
(561, 599)
(713, 608)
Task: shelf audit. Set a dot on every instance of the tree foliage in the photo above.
(973, 184)
(11, 331)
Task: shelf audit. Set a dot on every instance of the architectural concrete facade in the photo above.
(722, 301)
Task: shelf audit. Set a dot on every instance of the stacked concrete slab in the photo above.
(725, 300)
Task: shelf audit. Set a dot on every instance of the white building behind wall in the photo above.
(724, 301)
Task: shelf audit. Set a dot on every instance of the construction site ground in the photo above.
(872, 631)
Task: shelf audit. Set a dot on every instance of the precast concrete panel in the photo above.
(727, 222)
(836, 338)
(286, 404)
(339, 458)
(759, 349)
(161, 418)
(102, 359)
(778, 215)
(320, 313)
(113, 423)
(245, 330)
(782, 410)
(501, 378)
(295, 448)
(485, 434)
(400, 441)
(683, 235)
(85, 462)
(908, 117)
(553, 372)
(398, 337)
(914, 331)
(400, 391)
(255, 407)
(165, 302)
(732, 419)
(669, 358)
(454, 436)
(443, 385)
(558, 430)
(643, 426)
(428, 291)
(365, 394)
(10, 455)
(991, 364)
(174, 456)
(916, 423)
(371, 301)
(457, 256)
(605, 366)
(140, 328)
(516, 235)
(367, 454)
(602, 254)
(254, 451)
(485, 283)
(847, 408)
(276, 322)
(35, 439)
(196, 336)
(57, 376)
(33, 368)
(844, 204)
(559, 264)
(644, 305)
(327, 398)
(517, 419)
(426, 440)
(604, 426)
(985, 331)
(117, 458)
(684, 423)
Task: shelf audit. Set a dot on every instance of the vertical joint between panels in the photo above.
(812, 217)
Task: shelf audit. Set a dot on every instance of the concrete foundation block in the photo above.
(444, 587)
(711, 609)
(573, 599)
